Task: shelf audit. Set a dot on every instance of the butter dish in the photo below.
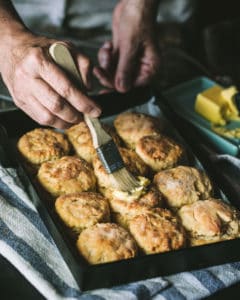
(182, 98)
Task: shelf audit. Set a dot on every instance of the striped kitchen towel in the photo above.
(26, 243)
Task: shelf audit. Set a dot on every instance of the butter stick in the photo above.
(209, 105)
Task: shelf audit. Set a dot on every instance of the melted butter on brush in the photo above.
(135, 193)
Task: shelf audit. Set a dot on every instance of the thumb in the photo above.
(126, 68)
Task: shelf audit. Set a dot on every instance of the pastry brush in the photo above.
(106, 149)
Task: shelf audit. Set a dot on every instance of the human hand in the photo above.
(132, 58)
(39, 87)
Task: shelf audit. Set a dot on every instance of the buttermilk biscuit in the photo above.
(157, 230)
(210, 221)
(106, 242)
(183, 185)
(67, 175)
(132, 162)
(159, 152)
(124, 209)
(131, 126)
(80, 137)
(82, 210)
(40, 145)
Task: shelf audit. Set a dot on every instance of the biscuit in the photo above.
(82, 210)
(41, 145)
(159, 152)
(183, 185)
(66, 175)
(157, 230)
(132, 126)
(106, 242)
(210, 221)
(132, 163)
(80, 137)
(124, 209)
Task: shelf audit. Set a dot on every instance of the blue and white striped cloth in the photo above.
(26, 243)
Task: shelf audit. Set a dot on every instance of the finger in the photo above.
(105, 91)
(103, 78)
(149, 66)
(126, 67)
(105, 55)
(42, 115)
(58, 80)
(53, 102)
(85, 68)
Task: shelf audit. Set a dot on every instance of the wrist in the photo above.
(145, 9)
(11, 38)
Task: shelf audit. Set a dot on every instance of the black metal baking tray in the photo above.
(124, 271)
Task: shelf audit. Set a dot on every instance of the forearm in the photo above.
(12, 30)
(10, 22)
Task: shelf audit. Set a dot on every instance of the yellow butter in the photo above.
(136, 193)
(229, 133)
(209, 105)
(217, 105)
(231, 111)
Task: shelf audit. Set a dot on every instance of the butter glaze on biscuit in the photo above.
(133, 164)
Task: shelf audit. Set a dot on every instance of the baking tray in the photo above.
(181, 98)
(124, 271)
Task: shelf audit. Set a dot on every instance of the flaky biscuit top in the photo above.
(82, 210)
(157, 230)
(210, 218)
(132, 126)
(106, 242)
(40, 145)
(183, 185)
(68, 174)
(159, 152)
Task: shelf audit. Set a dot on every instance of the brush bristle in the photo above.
(124, 181)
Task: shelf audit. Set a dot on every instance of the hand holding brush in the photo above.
(103, 143)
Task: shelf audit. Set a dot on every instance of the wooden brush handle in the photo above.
(62, 56)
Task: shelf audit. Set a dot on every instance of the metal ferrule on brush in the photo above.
(110, 157)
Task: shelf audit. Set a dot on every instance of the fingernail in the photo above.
(95, 112)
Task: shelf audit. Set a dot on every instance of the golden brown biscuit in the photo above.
(132, 126)
(132, 162)
(67, 175)
(82, 210)
(81, 139)
(183, 185)
(210, 221)
(159, 152)
(157, 230)
(124, 208)
(106, 242)
(40, 145)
